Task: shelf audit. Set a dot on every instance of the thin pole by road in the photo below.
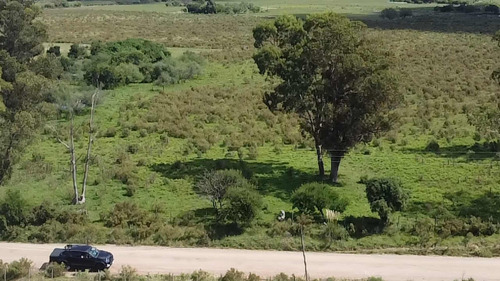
(153, 260)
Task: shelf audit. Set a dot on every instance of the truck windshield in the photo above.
(94, 252)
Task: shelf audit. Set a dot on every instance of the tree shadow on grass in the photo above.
(273, 178)
(208, 218)
(425, 19)
(360, 227)
(476, 152)
(485, 206)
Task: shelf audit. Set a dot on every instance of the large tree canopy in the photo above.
(329, 72)
(23, 92)
(20, 35)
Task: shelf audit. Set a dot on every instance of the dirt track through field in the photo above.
(266, 263)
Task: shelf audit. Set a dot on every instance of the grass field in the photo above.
(277, 7)
(444, 63)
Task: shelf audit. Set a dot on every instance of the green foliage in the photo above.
(350, 61)
(16, 270)
(54, 50)
(241, 204)
(198, 7)
(48, 66)
(128, 73)
(315, 197)
(332, 231)
(138, 61)
(389, 13)
(238, 8)
(234, 275)
(125, 214)
(127, 273)
(491, 8)
(405, 12)
(22, 35)
(215, 184)
(13, 208)
(54, 270)
(21, 41)
(432, 146)
(77, 51)
(385, 195)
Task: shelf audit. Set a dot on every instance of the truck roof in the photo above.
(82, 248)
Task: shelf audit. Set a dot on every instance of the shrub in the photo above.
(252, 152)
(54, 50)
(215, 184)
(77, 51)
(201, 275)
(49, 66)
(16, 269)
(332, 231)
(110, 132)
(313, 197)
(54, 270)
(445, 9)
(233, 275)
(241, 204)
(125, 132)
(494, 9)
(128, 73)
(13, 208)
(128, 273)
(432, 146)
(42, 213)
(389, 13)
(385, 195)
(125, 213)
(405, 12)
(133, 148)
(130, 189)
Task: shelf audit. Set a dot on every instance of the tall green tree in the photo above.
(23, 92)
(329, 72)
(20, 35)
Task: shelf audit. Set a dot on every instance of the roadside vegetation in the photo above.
(186, 153)
(23, 270)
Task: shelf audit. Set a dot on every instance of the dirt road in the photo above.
(266, 263)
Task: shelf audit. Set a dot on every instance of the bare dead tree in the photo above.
(89, 147)
(71, 149)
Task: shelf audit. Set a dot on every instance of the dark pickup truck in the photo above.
(82, 257)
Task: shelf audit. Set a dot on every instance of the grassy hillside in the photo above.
(153, 144)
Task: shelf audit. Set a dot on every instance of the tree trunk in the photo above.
(321, 165)
(6, 163)
(89, 148)
(335, 157)
(76, 199)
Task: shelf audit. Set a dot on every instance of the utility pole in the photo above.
(303, 250)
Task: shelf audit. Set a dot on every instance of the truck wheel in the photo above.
(101, 267)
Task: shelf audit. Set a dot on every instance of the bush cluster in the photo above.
(233, 197)
(467, 8)
(391, 13)
(207, 7)
(316, 197)
(137, 61)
